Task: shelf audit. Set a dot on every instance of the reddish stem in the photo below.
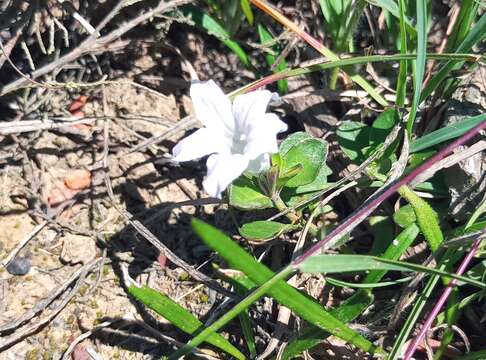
(443, 298)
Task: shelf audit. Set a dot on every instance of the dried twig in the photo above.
(183, 125)
(86, 335)
(450, 161)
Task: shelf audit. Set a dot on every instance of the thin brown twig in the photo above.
(86, 335)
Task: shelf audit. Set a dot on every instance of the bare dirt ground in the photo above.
(82, 237)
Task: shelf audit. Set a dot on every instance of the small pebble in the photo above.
(19, 266)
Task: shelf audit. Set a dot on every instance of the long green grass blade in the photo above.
(231, 314)
(462, 26)
(242, 285)
(330, 264)
(246, 8)
(413, 317)
(346, 284)
(446, 133)
(265, 37)
(403, 72)
(421, 28)
(303, 306)
(446, 262)
(180, 317)
(344, 62)
(392, 7)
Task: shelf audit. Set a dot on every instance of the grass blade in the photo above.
(309, 309)
(330, 264)
(264, 6)
(344, 62)
(357, 303)
(402, 74)
(418, 78)
(446, 133)
(265, 37)
(180, 317)
(231, 314)
(394, 9)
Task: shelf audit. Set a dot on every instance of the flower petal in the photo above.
(212, 106)
(200, 143)
(262, 136)
(222, 170)
(249, 108)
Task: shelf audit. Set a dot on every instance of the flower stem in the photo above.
(282, 207)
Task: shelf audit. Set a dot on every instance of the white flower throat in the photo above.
(239, 144)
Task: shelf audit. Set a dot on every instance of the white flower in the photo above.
(238, 137)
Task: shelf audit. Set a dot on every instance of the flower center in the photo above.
(239, 144)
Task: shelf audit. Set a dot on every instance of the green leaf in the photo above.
(446, 133)
(477, 272)
(392, 7)
(288, 174)
(447, 261)
(302, 305)
(346, 284)
(405, 216)
(349, 263)
(242, 285)
(245, 194)
(382, 228)
(427, 218)
(212, 27)
(311, 154)
(292, 140)
(382, 126)
(180, 317)
(319, 183)
(402, 74)
(353, 137)
(246, 7)
(264, 230)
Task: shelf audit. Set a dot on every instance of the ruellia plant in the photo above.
(291, 179)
